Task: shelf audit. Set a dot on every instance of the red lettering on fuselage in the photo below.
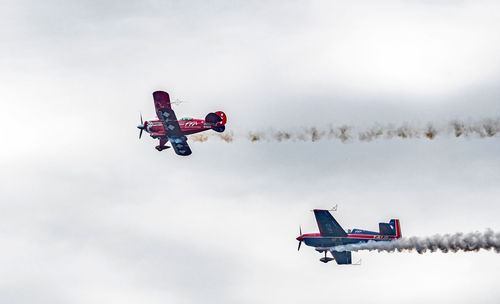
(156, 129)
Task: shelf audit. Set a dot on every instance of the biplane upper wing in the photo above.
(162, 100)
(170, 123)
(327, 225)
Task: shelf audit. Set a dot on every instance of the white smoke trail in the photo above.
(203, 137)
(473, 241)
(480, 129)
(483, 128)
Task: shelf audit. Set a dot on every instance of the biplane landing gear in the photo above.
(161, 148)
(326, 259)
(161, 145)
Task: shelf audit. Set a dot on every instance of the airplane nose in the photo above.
(299, 238)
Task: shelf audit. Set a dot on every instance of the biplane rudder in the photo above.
(222, 115)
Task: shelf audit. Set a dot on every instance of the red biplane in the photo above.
(168, 128)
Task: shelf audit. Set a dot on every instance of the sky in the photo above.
(91, 214)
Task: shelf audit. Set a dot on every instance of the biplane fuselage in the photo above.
(188, 126)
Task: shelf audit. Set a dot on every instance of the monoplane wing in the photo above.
(327, 225)
(342, 257)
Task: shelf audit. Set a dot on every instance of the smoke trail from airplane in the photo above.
(473, 241)
(345, 133)
(202, 137)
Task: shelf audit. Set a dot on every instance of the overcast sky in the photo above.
(91, 214)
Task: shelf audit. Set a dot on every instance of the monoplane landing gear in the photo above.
(326, 259)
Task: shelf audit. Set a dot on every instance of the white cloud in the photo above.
(89, 213)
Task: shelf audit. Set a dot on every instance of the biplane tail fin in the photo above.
(222, 115)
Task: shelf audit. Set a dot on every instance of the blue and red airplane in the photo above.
(332, 235)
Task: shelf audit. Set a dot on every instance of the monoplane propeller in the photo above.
(141, 126)
(300, 233)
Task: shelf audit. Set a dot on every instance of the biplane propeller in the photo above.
(141, 127)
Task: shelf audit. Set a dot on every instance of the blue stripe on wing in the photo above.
(327, 225)
(180, 145)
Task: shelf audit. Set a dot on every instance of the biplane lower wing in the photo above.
(180, 145)
(173, 131)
